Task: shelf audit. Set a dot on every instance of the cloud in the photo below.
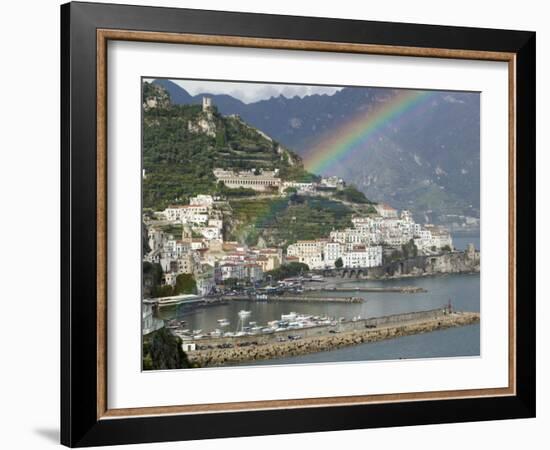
(252, 92)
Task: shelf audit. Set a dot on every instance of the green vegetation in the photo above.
(185, 284)
(409, 250)
(235, 193)
(181, 147)
(287, 270)
(162, 351)
(351, 194)
(175, 229)
(144, 240)
(283, 221)
(179, 157)
(446, 248)
(339, 263)
(231, 283)
(152, 277)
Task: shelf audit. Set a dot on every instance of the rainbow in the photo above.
(337, 145)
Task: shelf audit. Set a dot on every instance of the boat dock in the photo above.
(294, 298)
(209, 351)
(400, 289)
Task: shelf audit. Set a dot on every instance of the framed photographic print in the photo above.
(277, 224)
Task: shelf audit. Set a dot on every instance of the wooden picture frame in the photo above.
(86, 418)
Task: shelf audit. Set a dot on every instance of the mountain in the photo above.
(429, 163)
(178, 95)
(226, 104)
(182, 144)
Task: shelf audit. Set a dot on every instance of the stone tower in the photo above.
(206, 104)
(470, 252)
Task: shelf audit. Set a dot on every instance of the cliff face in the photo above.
(455, 262)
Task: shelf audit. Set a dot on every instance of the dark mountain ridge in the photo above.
(429, 163)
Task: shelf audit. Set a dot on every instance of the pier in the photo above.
(294, 298)
(292, 342)
(399, 289)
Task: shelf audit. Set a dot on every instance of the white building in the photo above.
(333, 182)
(201, 200)
(232, 270)
(262, 180)
(362, 257)
(332, 251)
(301, 188)
(313, 261)
(205, 283)
(209, 233)
(155, 238)
(148, 322)
(385, 210)
(187, 213)
(218, 223)
(170, 278)
(306, 248)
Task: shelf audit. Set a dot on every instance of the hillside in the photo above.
(429, 163)
(283, 221)
(182, 144)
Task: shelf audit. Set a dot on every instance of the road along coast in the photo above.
(211, 352)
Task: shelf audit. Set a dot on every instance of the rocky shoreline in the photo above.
(227, 356)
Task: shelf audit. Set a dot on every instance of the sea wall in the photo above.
(349, 334)
(452, 262)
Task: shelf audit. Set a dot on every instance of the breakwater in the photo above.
(294, 298)
(400, 289)
(323, 338)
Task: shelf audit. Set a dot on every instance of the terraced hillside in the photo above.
(182, 144)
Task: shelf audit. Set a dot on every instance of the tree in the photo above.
(339, 263)
(185, 284)
(231, 283)
(288, 270)
(162, 350)
(163, 291)
(291, 190)
(152, 278)
(352, 194)
(409, 249)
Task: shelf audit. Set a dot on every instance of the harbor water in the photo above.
(462, 290)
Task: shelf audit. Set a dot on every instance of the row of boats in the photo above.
(291, 321)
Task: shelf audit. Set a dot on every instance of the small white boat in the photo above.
(290, 316)
(223, 322)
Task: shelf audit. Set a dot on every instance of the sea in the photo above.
(461, 290)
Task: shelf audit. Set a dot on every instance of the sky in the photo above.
(252, 92)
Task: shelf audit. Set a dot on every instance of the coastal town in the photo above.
(202, 252)
(276, 233)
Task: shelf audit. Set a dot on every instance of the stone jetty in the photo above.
(329, 338)
(398, 289)
(295, 298)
